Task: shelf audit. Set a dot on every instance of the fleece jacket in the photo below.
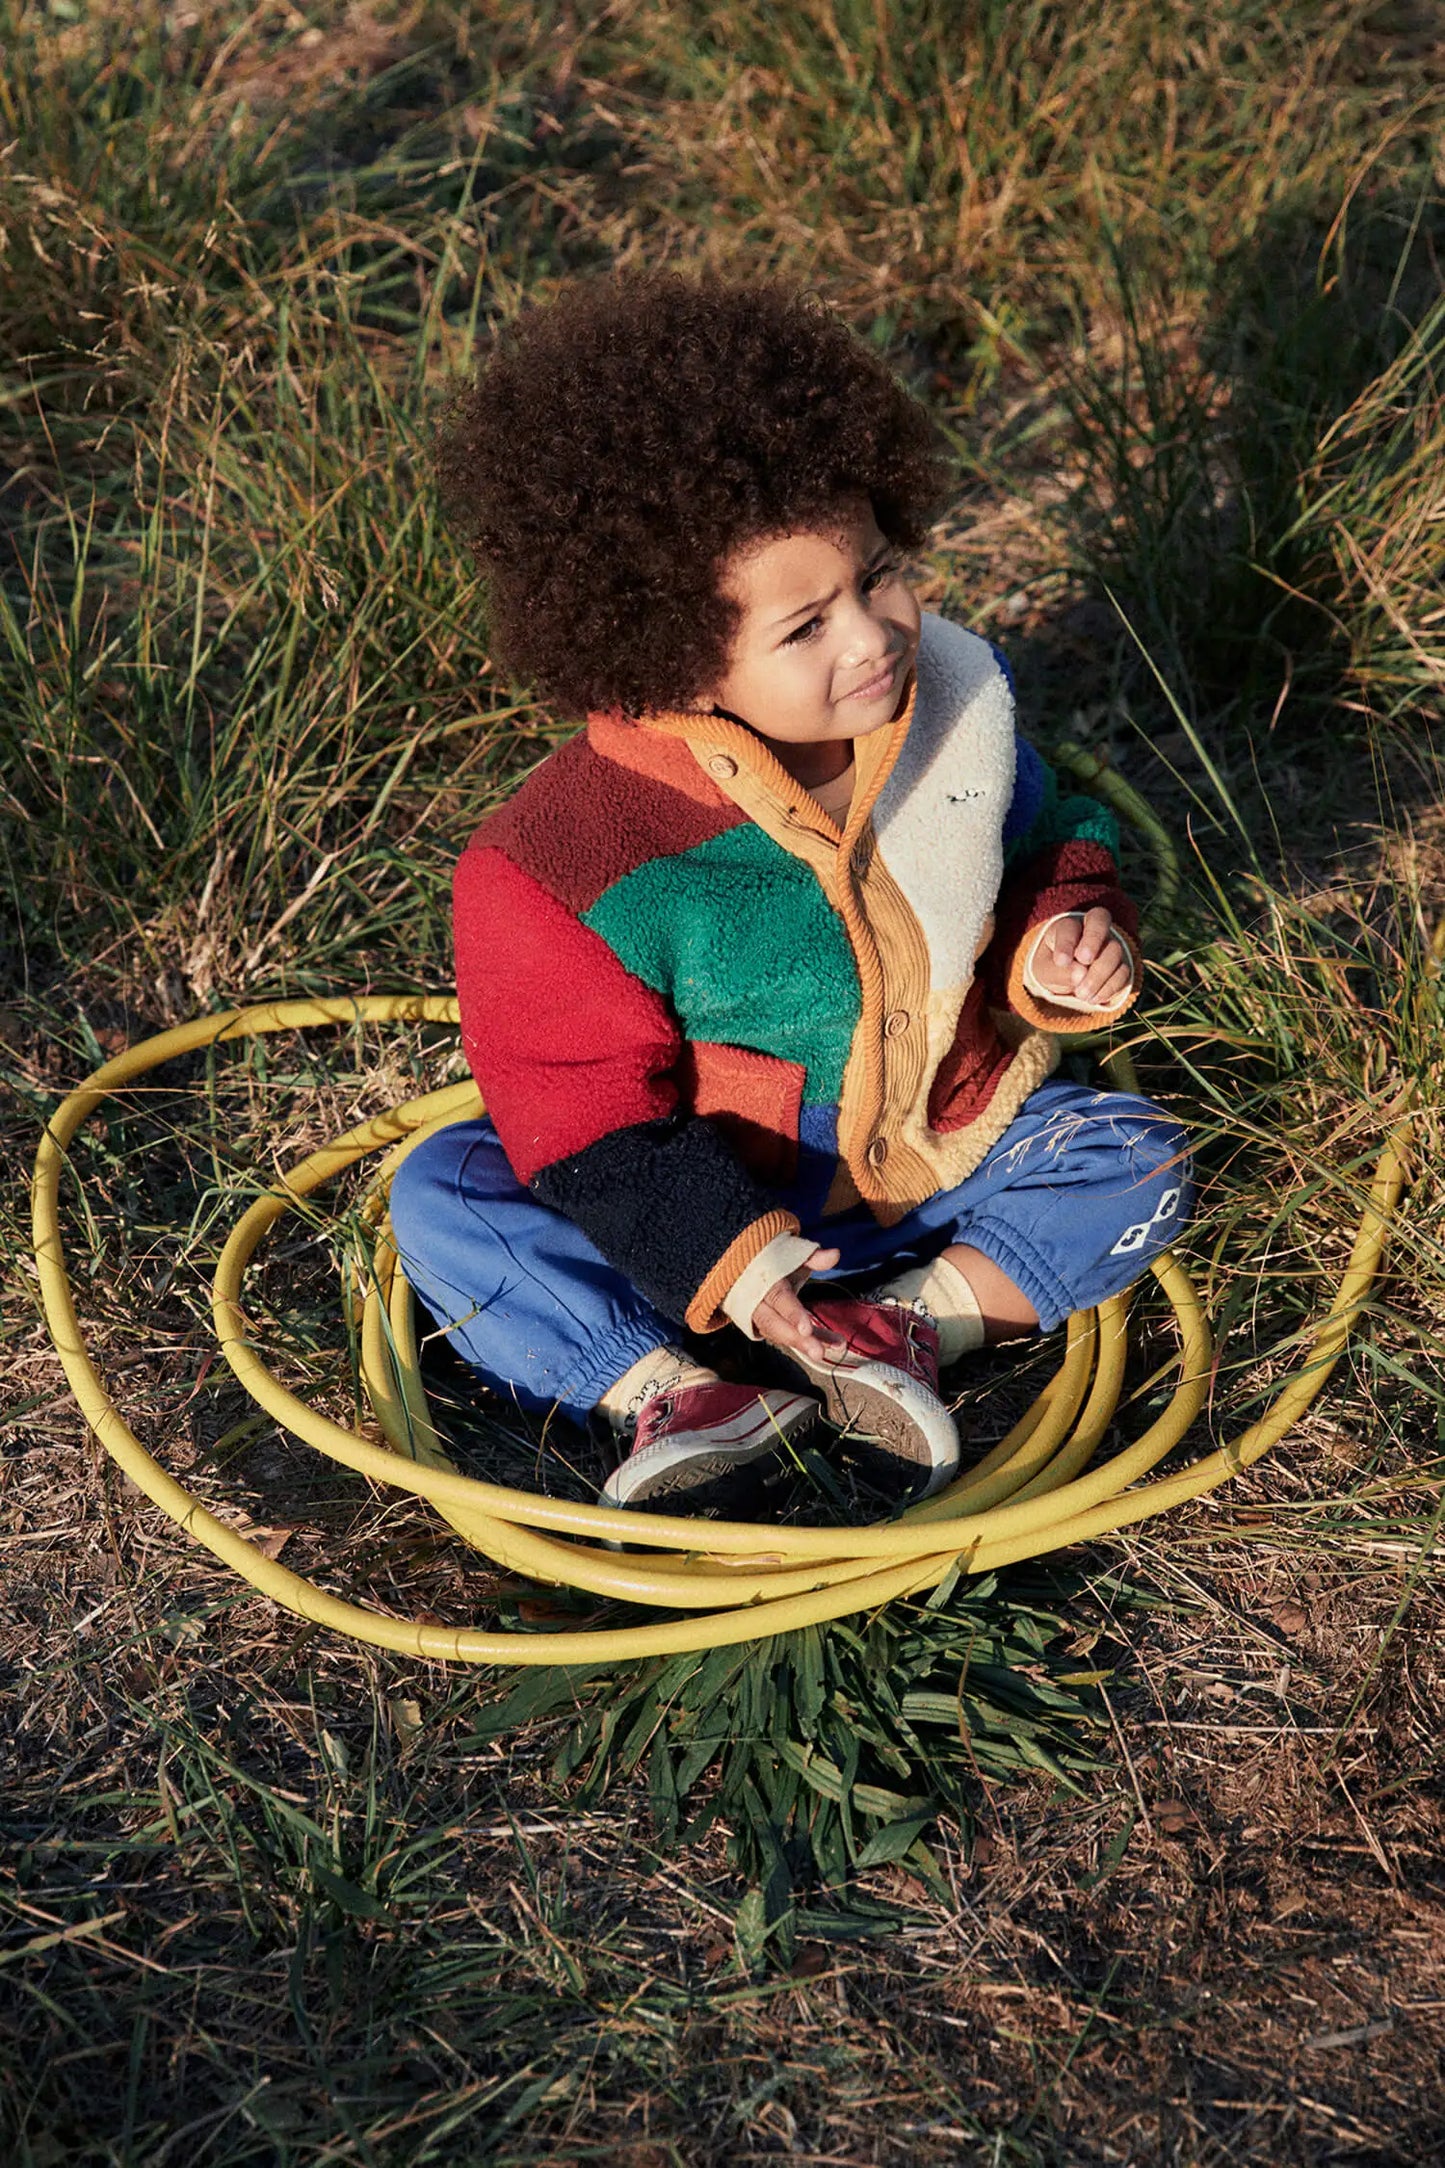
(683, 986)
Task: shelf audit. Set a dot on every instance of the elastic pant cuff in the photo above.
(1029, 1273)
(582, 1388)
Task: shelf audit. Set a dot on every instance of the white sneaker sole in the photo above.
(886, 1412)
(695, 1463)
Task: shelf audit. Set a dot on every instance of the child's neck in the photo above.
(813, 764)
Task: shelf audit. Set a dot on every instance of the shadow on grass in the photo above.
(1253, 519)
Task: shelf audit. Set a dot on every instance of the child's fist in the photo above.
(1084, 957)
(781, 1319)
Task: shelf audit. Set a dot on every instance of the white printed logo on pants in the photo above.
(1135, 1237)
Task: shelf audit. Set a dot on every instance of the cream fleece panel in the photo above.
(920, 876)
(939, 826)
(939, 817)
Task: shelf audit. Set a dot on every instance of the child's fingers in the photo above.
(1109, 976)
(781, 1319)
(1053, 957)
(799, 1337)
(1085, 958)
(1063, 941)
(1103, 992)
(1092, 935)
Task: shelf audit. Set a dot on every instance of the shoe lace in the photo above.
(667, 1381)
(916, 1314)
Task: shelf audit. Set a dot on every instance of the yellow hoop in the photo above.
(1034, 1493)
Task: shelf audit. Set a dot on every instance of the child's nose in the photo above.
(866, 638)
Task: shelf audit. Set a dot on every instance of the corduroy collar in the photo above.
(720, 747)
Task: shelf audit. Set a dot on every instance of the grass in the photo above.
(1170, 276)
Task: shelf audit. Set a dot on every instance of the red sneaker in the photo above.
(883, 1394)
(701, 1448)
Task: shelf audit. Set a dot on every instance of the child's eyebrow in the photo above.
(806, 609)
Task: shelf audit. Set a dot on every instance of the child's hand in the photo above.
(781, 1319)
(1086, 959)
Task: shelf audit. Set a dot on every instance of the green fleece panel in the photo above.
(1072, 819)
(739, 936)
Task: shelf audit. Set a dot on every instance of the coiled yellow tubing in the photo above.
(1034, 1493)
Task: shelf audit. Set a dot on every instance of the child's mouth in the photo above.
(876, 687)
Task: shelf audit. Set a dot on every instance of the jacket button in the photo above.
(721, 765)
(860, 857)
(896, 1021)
(877, 1152)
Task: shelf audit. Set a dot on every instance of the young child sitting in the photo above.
(762, 974)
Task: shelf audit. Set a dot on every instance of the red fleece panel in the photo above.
(968, 1075)
(580, 822)
(754, 1099)
(565, 1043)
(1067, 877)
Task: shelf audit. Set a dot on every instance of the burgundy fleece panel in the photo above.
(580, 822)
(1066, 877)
(969, 1073)
(564, 1042)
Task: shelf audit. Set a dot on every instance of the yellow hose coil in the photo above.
(1035, 1492)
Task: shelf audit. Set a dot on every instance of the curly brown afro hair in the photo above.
(620, 443)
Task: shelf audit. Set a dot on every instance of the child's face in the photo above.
(827, 636)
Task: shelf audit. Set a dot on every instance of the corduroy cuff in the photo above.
(705, 1313)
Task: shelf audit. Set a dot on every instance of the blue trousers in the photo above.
(1081, 1190)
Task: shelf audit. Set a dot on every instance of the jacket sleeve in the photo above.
(1060, 854)
(576, 1059)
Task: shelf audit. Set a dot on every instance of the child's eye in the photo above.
(803, 632)
(878, 575)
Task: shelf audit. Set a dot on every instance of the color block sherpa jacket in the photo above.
(683, 989)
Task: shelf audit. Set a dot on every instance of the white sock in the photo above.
(662, 1370)
(949, 1300)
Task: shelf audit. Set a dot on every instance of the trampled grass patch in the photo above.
(1170, 275)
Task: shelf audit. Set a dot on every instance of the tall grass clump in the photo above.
(1302, 1027)
(1261, 495)
(243, 669)
(1372, 510)
(259, 688)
